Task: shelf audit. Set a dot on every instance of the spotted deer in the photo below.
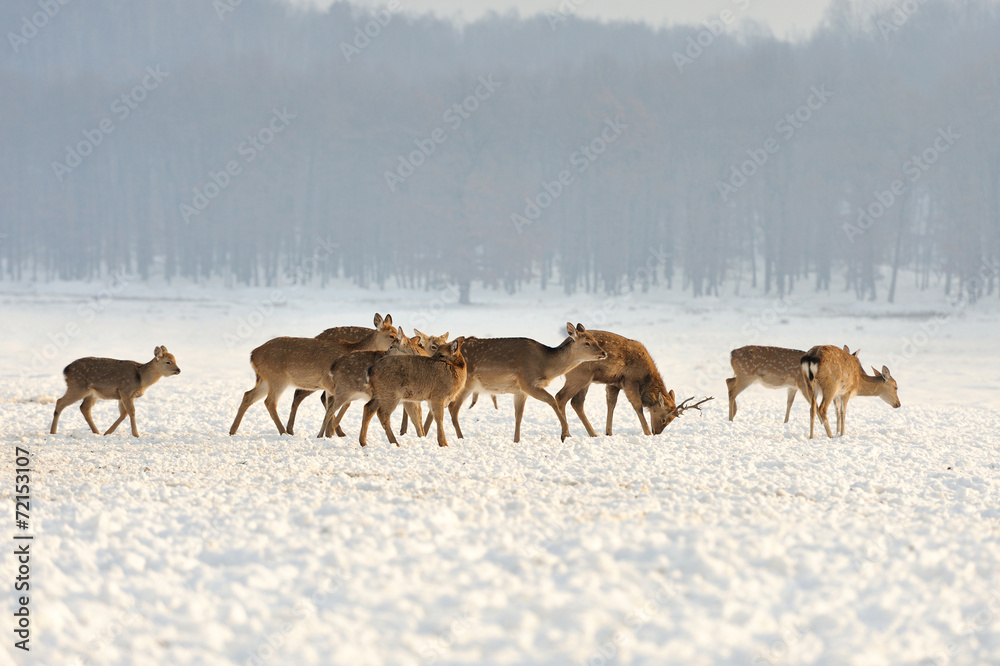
(523, 367)
(772, 367)
(413, 379)
(91, 379)
(350, 334)
(627, 367)
(303, 363)
(839, 376)
(428, 345)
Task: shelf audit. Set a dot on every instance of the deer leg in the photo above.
(300, 395)
(543, 395)
(85, 407)
(122, 413)
(62, 403)
(494, 397)
(437, 409)
(519, 400)
(736, 385)
(402, 427)
(384, 412)
(335, 425)
(791, 398)
(416, 416)
(331, 409)
(611, 394)
(578, 401)
(258, 391)
(635, 399)
(453, 407)
(271, 402)
(370, 408)
(823, 409)
(842, 420)
(130, 408)
(475, 399)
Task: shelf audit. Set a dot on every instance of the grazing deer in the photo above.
(92, 379)
(839, 376)
(304, 363)
(629, 367)
(413, 379)
(351, 334)
(523, 367)
(350, 379)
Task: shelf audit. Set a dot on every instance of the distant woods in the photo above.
(264, 144)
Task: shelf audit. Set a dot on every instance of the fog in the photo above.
(197, 141)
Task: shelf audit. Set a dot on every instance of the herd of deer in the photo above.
(384, 367)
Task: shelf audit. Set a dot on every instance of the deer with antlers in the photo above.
(839, 376)
(91, 379)
(628, 367)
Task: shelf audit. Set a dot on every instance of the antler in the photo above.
(684, 406)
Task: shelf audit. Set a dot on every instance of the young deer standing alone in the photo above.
(414, 379)
(628, 367)
(523, 367)
(304, 363)
(92, 379)
(839, 376)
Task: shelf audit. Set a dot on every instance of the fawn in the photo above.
(92, 379)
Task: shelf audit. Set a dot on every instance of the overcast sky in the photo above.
(786, 18)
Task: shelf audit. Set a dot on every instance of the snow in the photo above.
(713, 543)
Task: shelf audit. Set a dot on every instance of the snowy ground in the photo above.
(714, 543)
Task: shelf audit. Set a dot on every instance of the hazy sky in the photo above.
(786, 18)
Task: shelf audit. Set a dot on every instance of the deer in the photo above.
(772, 367)
(303, 363)
(350, 334)
(349, 374)
(413, 379)
(428, 345)
(523, 367)
(91, 379)
(629, 367)
(838, 374)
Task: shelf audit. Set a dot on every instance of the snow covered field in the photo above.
(713, 543)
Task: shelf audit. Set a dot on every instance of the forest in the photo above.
(241, 141)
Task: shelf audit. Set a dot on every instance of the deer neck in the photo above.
(561, 359)
(148, 375)
(870, 385)
(651, 387)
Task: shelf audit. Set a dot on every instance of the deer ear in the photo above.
(570, 330)
(387, 321)
(418, 334)
(158, 352)
(847, 349)
(877, 373)
(580, 328)
(671, 394)
(378, 320)
(445, 336)
(661, 401)
(885, 372)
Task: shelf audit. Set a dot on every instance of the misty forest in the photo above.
(240, 141)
